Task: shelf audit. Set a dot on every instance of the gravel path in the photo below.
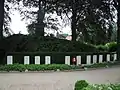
(56, 80)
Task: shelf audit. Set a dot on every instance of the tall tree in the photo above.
(6, 6)
(1, 17)
(118, 32)
(117, 5)
(86, 11)
(81, 12)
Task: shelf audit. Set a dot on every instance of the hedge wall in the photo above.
(24, 43)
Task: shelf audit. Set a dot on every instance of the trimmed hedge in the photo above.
(112, 46)
(26, 43)
(83, 85)
(109, 47)
(33, 67)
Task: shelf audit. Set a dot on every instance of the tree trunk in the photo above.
(118, 31)
(73, 23)
(1, 17)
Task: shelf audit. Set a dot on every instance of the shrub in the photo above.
(33, 67)
(103, 87)
(112, 46)
(101, 47)
(85, 86)
(21, 43)
(79, 85)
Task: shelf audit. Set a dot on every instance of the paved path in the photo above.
(56, 80)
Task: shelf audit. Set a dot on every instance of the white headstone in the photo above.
(37, 59)
(115, 57)
(100, 58)
(26, 60)
(79, 60)
(67, 60)
(47, 60)
(108, 57)
(94, 59)
(9, 60)
(88, 59)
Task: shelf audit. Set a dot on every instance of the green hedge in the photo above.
(83, 85)
(109, 47)
(33, 67)
(112, 46)
(26, 43)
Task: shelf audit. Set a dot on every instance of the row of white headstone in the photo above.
(67, 59)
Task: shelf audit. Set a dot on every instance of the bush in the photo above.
(15, 67)
(83, 85)
(24, 43)
(103, 87)
(33, 67)
(101, 48)
(112, 46)
(79, 85)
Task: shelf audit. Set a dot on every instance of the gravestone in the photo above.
(108, 57)
(47, 60)
(115, 57)
(78, 60)
(100, 58)
(9, 60)
(67, 60)
(88, 59)
(26, 60)
(94, 59)
(37, 59)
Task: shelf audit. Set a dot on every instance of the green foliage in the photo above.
(79, 85)
(42, 67)
(103, 87)
(109, 64)
(15, 67)
(33, 67)
(21, 43)
(83, 85)
(112, 46)
(101, 47)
